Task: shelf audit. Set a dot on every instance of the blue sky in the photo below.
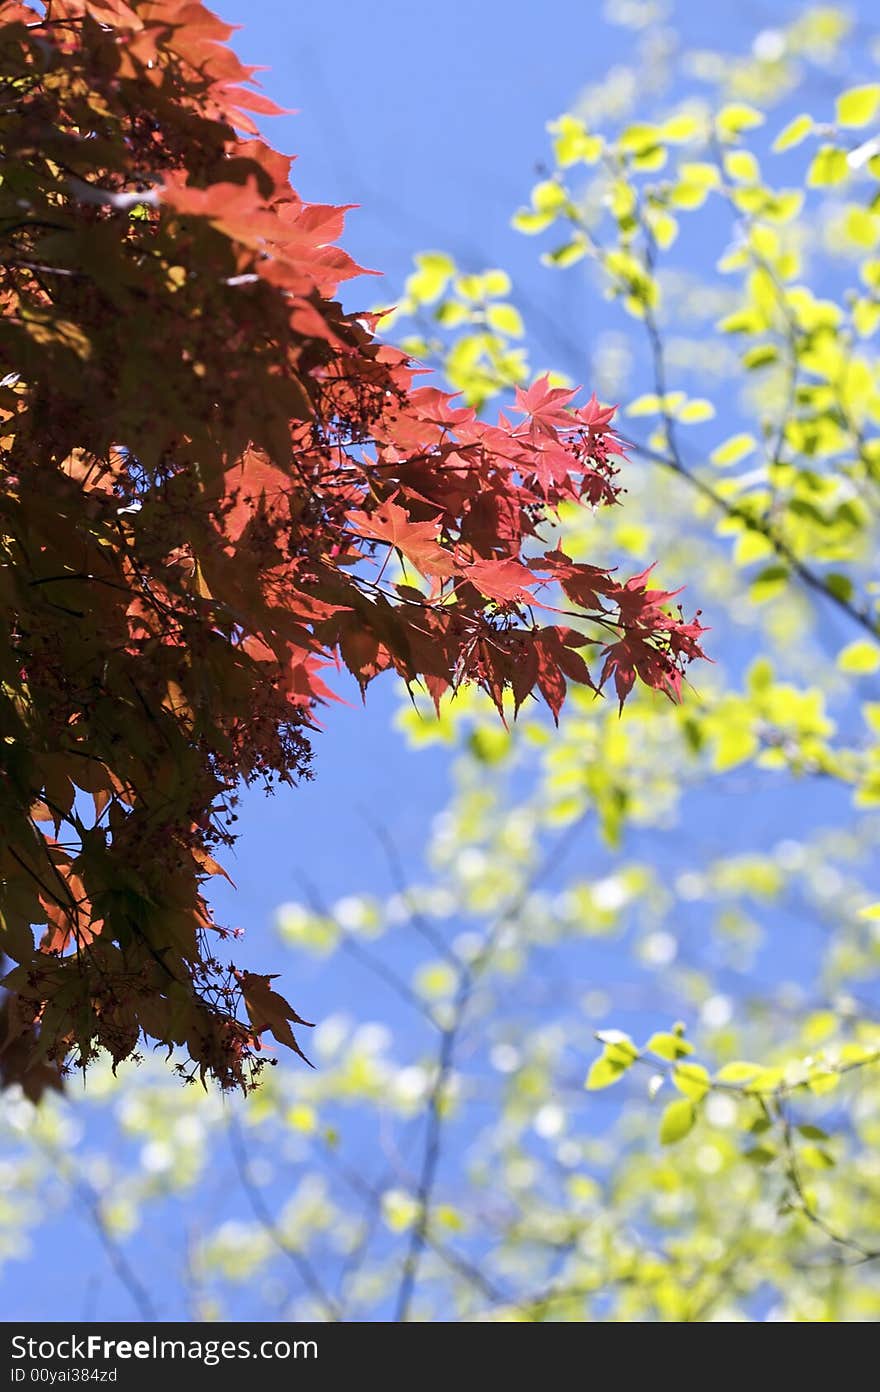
(433, 121)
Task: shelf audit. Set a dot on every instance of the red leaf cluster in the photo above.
(206, 465)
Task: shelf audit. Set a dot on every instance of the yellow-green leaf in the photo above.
(646, 405)
(859, 658)
(573, 143)
(829, 167)
(506, 320)
(858, 105)
(733, 450)
(549, 197)
(603, 1072)
(531, 222)
(567, 254)
(682, 127)
(737, 1072)
(677, 1120)
(669, 1046)
(737, 117)
(430, 280)
(692, 1079)
(742, 166)
(792, 134)
(696, 411)
(496, 283)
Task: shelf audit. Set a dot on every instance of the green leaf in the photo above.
(760, 1155)
(738, 1072)
(677, 1120)
(619, 1054)
(760, 356)
(760, 675)
(603, 1072)
(669, 1046)
(618, 1046)
(819, 1026)
(639, 139)
(700, 173)
(866, 317)
(489, 744)
(696, 411)
(506, 320)
(829, 167)
(839, 585)
(785, 205)
(646, 405)
(573, 144)
(682, 127)
(430, 280)
(496, 283)
(531, 222)
(692, 1079)
(567, 254)
(735, 118)
(735, 448)
(792, 134)
(741, 321)
(470, 287)
(664, 227)
(859, 658)
(861, 227)
(858, 105)
(817, 1158)
(769, 582)
(742, 166)
(735, 743)
(451, 313)
(549, 196)
(696, 179)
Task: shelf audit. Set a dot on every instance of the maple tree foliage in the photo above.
(206, 465)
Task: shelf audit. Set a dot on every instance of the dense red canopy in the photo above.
(206, 465)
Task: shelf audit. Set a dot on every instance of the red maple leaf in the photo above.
(416, 541)
(265, 444)
(547, 406)
(505, 581)
(267, 1010)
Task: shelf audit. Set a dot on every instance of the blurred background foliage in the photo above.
(616, 1054)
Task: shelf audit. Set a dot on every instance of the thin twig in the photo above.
(301, 1263)
(91, 1202)
(808, 577)
(468, 976)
